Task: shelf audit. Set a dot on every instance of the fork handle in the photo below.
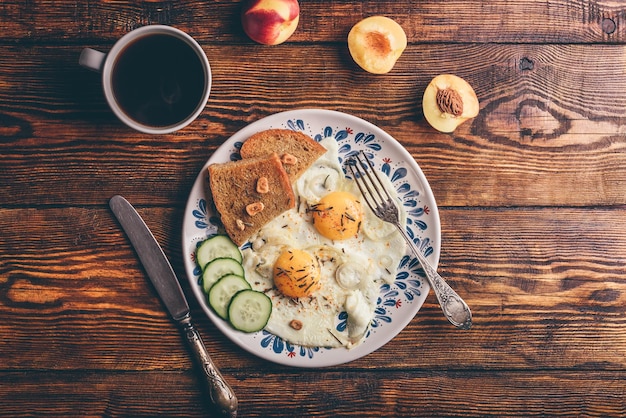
(453, 306)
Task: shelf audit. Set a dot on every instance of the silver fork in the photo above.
(378, 199)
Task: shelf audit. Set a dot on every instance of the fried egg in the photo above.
(327, 256)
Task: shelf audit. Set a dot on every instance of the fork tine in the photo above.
(375, 185)
(362, 184)
(369, 184)
(378, 185)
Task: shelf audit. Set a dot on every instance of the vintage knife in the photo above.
(166, 284)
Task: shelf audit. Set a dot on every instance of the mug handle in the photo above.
(92, 59)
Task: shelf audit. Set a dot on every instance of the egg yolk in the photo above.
(296, 273)
(338, 216)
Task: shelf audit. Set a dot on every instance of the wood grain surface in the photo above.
(531, 195)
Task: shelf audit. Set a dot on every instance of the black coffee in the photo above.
(158, 80)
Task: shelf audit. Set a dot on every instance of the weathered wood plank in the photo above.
(407, 392)
(322, 21)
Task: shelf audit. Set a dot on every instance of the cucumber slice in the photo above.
(249, 310)
(215, 247)
(223, 291)
(218, 268)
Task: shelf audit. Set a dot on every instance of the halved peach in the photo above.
(449, 101)
(376, 43)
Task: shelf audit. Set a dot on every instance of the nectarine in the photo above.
(376, 43)
(270, 22)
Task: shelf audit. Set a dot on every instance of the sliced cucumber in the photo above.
(228, 292)
(218, 268)
(217, 246)
(249, 310)
(223, 291)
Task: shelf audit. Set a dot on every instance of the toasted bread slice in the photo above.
(285, 143)
(249, 193)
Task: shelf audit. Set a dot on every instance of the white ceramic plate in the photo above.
(397, 303)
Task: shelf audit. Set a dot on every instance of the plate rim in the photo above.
(282, 118)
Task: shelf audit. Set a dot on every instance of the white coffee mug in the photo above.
(156, 79)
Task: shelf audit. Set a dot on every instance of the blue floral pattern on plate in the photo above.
(422, 227)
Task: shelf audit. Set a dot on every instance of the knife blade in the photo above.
(163, 277)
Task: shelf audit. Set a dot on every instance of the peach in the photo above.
(449, 101)
(376, 43)
(270, 22)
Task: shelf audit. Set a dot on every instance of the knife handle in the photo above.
(220, 392)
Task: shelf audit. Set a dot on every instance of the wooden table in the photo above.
(531, 194)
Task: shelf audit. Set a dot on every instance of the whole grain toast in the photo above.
(285, 143)
(249, 193)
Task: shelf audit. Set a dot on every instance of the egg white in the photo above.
(352, 270)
